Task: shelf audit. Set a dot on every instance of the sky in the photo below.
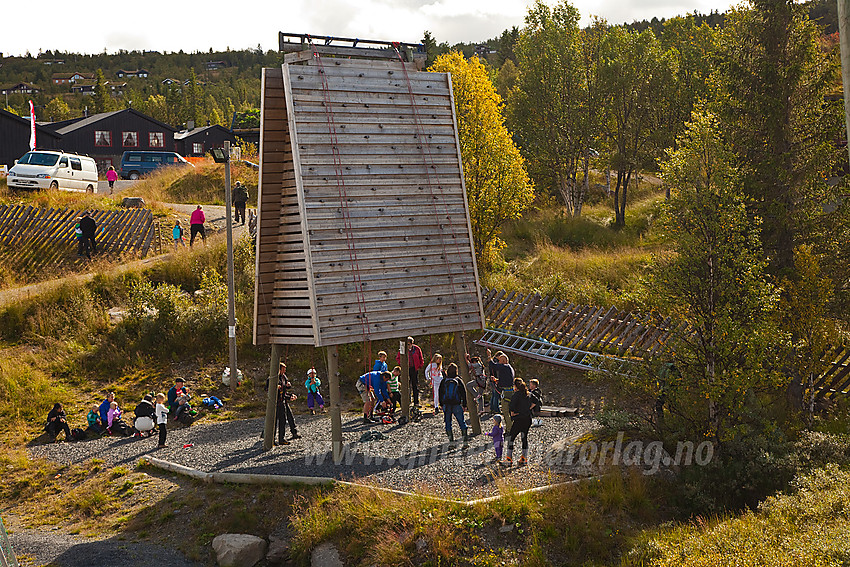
(88, 26)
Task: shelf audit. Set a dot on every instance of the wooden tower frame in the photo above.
(363, 226)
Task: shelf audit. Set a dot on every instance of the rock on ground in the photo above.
(238, 550)
(325, 555)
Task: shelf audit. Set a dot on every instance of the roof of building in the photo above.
(189, 133)
(39, 128)
(104, 115)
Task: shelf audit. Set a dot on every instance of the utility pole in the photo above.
(844, 41)
(231, 299)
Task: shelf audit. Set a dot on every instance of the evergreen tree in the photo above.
(101, 100)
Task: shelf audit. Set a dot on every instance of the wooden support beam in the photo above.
(336, 415)
(271, 398)
(472, 407)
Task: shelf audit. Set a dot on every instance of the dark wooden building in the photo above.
(199, 141)
(15, 137)
(107, 135)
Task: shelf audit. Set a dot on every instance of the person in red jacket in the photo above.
(111, 177)
(415, 363)
(196, 222)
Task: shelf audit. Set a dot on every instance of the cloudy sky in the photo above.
(90, 27)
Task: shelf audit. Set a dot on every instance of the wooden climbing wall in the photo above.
(363, 227)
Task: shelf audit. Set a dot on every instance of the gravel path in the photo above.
(54, 548)
(416, 456)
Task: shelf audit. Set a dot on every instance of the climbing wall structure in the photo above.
(363, 225)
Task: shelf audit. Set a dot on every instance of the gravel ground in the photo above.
(51, 547)
(415, 456)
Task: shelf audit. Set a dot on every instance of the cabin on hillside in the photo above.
(15, 134)
(199, 141)
(107, 135)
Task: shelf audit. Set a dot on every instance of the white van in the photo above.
(53, 169)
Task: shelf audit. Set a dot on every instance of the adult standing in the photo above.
(89, 228)
(520, 409)
(196, 225)
(415, 362)
(434, 375)
(372, 388)
(452, 396)
(111, 177)
(504, 373)
(284, 412)
(240, 198)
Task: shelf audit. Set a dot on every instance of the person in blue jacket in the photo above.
(104, 408)
(381, 363)
(372, 388)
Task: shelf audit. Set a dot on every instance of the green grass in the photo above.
(203, 184)
(807, 528)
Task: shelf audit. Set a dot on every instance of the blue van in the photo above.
(135, 164)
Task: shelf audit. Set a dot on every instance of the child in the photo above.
(177, 235)
(161, 418)
(498, 435)
(312, 384)
(95, 425)
(112, 177)
(113, 415)
(78, 235)
(536, 400)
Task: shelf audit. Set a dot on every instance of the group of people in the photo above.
(107, 418)
(514, 405)
(85, 229)
(198, 218)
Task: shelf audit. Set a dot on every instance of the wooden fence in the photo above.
(579, 327)
(33, 238)
(592, 338)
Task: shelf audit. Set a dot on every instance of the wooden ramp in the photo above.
(33, 239)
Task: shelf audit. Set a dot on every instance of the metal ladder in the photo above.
(547, 351)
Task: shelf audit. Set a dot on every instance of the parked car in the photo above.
(135, 164)
(53, 169)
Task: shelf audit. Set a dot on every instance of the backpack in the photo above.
(451, 396)
(78, 434)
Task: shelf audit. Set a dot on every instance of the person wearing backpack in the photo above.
(453, 401)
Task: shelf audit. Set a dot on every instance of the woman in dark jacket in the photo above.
(520, 408)
(56, 422)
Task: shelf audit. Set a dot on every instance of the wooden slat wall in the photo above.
(376, 184)
(281, 301)
(33, 238)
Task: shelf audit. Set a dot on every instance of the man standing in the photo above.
(240, 197)
(453, 401)
(284, 412)
(196, 222)
(89, 228)
(504, 373)
(415, 362)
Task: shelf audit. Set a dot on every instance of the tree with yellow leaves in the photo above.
(497, 186)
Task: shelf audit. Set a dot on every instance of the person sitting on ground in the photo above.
(381, 363)
(56, 422)
(103, 409)
(177, 391)
(114, 424)
(313, 396)
(536, 400)
(96, 426)
(144, 422)
(478, 384)
(453, 401)
(372, 388)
